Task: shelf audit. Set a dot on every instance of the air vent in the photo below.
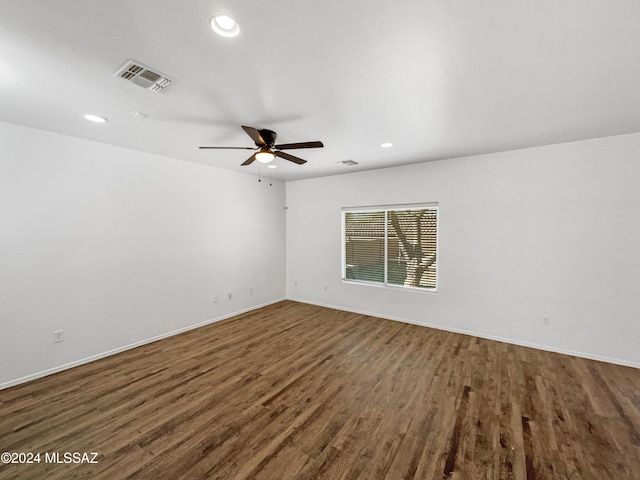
(349, 163)
(143, 76)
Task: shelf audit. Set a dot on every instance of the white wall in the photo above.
(523, 234)
(116, 246)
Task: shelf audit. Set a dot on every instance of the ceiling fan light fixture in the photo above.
(225, 26)
(265, 155)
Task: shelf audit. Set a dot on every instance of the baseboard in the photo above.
(76, 363)
(589, 356)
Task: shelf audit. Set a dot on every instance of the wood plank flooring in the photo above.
(294, 391)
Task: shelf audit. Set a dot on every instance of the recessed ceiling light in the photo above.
(272, 166)
(224, 26)
(95, 118)
(386, 145)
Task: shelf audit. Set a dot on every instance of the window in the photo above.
(392, 246)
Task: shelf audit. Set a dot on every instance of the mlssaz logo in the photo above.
(71, 457)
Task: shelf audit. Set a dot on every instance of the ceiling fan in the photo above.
(267, 149)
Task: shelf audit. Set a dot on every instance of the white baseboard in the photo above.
(60, 368)
(98, 356)
(600, 358)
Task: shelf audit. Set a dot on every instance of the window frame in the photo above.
(386, 209)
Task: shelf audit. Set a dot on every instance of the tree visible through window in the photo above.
(391, 246)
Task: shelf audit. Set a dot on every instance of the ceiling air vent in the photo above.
(141, 75)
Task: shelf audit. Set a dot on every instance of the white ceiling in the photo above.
(439, 79)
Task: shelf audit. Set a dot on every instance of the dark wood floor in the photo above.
(294, 391)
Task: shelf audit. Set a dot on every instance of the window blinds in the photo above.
(391, 246)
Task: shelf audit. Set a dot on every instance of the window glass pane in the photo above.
(412, 248)
(364, 246)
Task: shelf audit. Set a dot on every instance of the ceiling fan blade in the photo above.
(255, 135)
(289, 157)
(291, 146)
(249, 160)
(227, 148)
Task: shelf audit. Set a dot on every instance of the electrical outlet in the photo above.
(58, 336)
(326, 287)
(546, 320)
(250, 290)
(229, 295)
(295, 284)
(215, 299)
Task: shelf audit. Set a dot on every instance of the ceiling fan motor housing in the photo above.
(269, 137)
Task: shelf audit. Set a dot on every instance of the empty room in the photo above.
(280, 240)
